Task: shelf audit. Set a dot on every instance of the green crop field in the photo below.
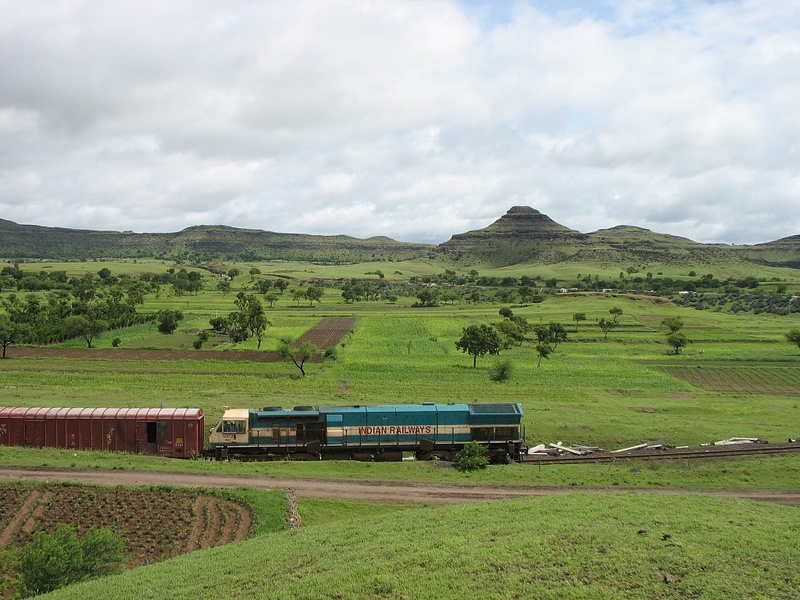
(738, 376)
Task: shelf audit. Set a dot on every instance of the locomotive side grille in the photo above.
(500, 408)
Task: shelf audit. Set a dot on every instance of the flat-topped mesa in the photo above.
(527, 222)
(523, 234)
(522, 222)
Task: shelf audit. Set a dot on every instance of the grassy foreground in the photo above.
(575, 546)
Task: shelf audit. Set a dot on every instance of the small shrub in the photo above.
(53, 560)
(331, 354)
(202, 338)
(116, 342)
(501, 371)
(472, 456)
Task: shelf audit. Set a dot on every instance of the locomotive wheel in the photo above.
(305, 456)
(436, 455)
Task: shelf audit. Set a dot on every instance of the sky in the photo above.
(413, 119)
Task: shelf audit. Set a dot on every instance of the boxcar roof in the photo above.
(142, 414)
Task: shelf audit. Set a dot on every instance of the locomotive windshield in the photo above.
(234, 421)
(232, 426)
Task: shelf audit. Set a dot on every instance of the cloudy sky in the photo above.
(415, 119)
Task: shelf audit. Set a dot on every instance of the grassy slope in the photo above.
(575, 546)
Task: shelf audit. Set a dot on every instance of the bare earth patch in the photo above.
(157, 523)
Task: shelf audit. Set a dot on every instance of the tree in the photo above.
(472, 456)
(552, 334)
(511, 331)
(249, 319)
(506, 312)
(578, 317)
(479, 340)
(8, 332)
(526, 293)
(674, 324)
(616, 312)
(793, 337)
(678, 341)
(544, 350)
(298, 295)
(87, 328)
(168, 320)
(314, 293)
(428, 297)
(263, 286)
(512, 328)
(224, 286)
(558, 334)
(606, 326)
(298, 355)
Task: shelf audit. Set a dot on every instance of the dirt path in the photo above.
(346, 490)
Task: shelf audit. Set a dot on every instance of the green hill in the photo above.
(526, 236)
(522, 236)
(200, 243)
(603, 546)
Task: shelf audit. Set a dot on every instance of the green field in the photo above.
(625, 546)
(737, 377)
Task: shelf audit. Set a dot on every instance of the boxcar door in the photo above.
(34, 433)
(146, 437)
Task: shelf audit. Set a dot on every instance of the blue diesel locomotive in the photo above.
(381, 433)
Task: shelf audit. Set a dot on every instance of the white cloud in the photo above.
(415, 120)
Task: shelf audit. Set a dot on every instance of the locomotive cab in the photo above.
(232, 429)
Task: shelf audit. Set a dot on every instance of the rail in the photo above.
(704, 452)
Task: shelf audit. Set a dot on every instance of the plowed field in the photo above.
(328, 332)
(777, 380)
(157, 523)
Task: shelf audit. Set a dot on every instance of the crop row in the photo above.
(156, 523)
(783, 381)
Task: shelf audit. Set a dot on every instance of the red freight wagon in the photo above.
(172, 432)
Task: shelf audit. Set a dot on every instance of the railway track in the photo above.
(704, 452)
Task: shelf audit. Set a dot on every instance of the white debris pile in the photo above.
(654, 445)
(558, 449)
(734, 441)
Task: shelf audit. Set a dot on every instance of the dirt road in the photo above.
(344, 490)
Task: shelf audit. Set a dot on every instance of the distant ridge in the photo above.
(521, 236)
(198, 243)
(525, 235)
